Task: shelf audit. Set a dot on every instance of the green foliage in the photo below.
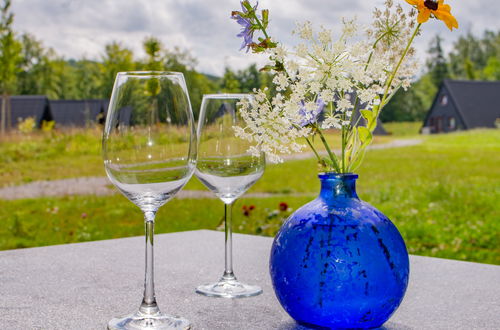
(492, 69)
(36, 71)
(27, 125)
(230, 83)
(116, 58)
(10, 50)
(153, 47)
(436, 64)
(48, 126)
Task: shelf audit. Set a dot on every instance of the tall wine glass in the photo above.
(149, 151)
(226, 168)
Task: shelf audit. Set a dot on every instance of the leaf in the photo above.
(265, 18)
(359, 158)
(351, 148)
(371, 125)
(247, 5)
(368, 115)
(365, 136)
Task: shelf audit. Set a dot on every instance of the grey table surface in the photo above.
(82, 286)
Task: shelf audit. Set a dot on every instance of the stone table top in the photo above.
(84, 285)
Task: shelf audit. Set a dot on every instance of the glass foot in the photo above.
(155, 321)
(229, 288)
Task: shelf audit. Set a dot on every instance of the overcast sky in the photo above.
(78, 28)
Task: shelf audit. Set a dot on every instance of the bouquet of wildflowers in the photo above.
(332, 83)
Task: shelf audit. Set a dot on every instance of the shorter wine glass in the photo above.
(149, 151)
(228, 169)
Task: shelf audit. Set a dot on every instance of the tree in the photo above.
(436, 64)
(87, 74)
(153, 47)
(179, 60)
(116, 58)
(198, 84)
(230, 83)
(471, 54)
(249, 78)
(492, 69)
(9, 58)
(35, 75)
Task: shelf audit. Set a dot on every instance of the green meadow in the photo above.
(442, 194)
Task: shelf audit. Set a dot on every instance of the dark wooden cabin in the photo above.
(462, 105)
(78, 113)
(24, 106)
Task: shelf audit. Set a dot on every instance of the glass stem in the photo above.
(228, 219)
(148, 305)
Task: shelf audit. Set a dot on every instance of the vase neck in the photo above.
(334, 185)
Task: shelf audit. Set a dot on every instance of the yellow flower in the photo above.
(438, 9)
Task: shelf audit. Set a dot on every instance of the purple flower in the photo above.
(310, 116)
(248, 28)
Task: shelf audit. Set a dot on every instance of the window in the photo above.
(451, 123)
(444, 100)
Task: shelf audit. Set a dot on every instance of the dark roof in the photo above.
(24, 106)
(77, 112)
(478, 102)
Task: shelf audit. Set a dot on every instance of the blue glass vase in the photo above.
(338, 262)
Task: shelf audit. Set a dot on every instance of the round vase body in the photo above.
(338, 262)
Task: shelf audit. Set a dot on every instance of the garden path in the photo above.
(100, 186)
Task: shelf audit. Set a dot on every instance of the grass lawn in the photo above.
(442, 195)
(42, 155)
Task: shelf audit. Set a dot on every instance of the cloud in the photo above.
(77, 28)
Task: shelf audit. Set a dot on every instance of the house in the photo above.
(24, 106)
(462, 105)
(78, 113)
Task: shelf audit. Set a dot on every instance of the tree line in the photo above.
(27, 67)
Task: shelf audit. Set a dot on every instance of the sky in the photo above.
(81, 28)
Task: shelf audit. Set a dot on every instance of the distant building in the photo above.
(78, 113)
(65, 113)
(24, 106)
(462, 105)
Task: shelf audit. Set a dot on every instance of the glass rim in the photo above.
(151, 73)
(227, 96)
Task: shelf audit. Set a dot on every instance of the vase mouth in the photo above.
(334, 175)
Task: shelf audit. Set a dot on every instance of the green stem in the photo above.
(354, 124)
(344, 144)
(393, 75)
(332, 156)
(373, 48)
(313, 149)
(261, 27)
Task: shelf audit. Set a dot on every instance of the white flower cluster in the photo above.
(270, 125)
(390, 32)
(334, 77)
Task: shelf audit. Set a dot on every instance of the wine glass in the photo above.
(149, 151)
(226, 168)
